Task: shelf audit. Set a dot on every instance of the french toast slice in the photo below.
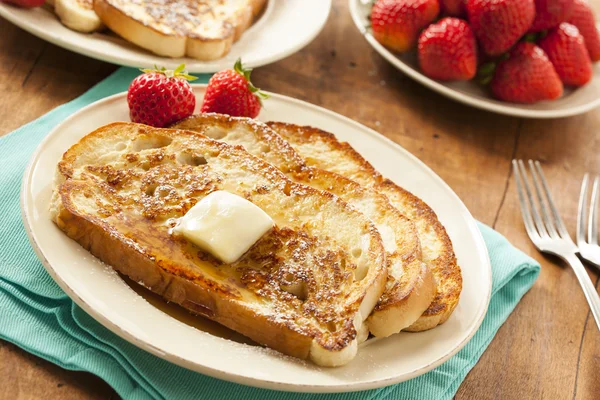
(322, 149)
(204, 30)
(305, 288)
(78, 15)
(410, 288)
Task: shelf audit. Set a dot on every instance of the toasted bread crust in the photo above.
(441, 261)
(137, 33)
(177, 35)
(409, 293)
(121, 186)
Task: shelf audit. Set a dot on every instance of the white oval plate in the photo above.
(285, 27)
(573, 102)
(114, 304)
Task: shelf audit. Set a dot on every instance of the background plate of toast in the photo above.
(283, 28)
(573, 102)
(200, 345)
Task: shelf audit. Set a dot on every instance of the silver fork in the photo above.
(548, 232)
(588, 249)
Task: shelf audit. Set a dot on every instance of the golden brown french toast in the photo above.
(410, 288)
(204, 30)
(322, 149)
(305, 288)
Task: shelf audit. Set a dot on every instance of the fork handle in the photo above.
(589, 290)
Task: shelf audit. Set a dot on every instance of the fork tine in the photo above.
(562, 229)
(527, 219)
(538, 191)
(582, 209)
(593, 214)
(541, 228)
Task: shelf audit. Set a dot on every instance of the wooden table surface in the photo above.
(548, 348)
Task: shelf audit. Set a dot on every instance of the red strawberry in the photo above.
(161, 97)
(231, 92)
(396, 23)
(583, 18)
(448, 50)
(498, 24)
(550, 13)
(566, 50)
(455, 8)
(527, 76)
(25, 3)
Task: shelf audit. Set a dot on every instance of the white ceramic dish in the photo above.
(573, 102)
(284, 28)
(115, 305)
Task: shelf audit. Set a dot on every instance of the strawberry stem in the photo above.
(543, 34)
(487, 68)
(239, 68)
(245, 72)
(486, 72)
(179, 72)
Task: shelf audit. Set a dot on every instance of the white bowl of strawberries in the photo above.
(527, 58)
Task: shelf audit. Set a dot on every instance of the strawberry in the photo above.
(448, 50)
(161, 97)
(455, 8)
(566, 50)
(231, 92)
(498, 24)
(583, 18)
(527, 76)
(396, 23)
(25, 3)
(550, 13)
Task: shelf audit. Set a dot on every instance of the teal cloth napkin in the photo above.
(36, 315)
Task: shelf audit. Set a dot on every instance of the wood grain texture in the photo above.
(25, 376)
(549, 348)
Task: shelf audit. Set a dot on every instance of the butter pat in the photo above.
(224, 225)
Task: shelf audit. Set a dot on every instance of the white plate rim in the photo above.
(483, 104)
(226, 375)
(193, 66)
